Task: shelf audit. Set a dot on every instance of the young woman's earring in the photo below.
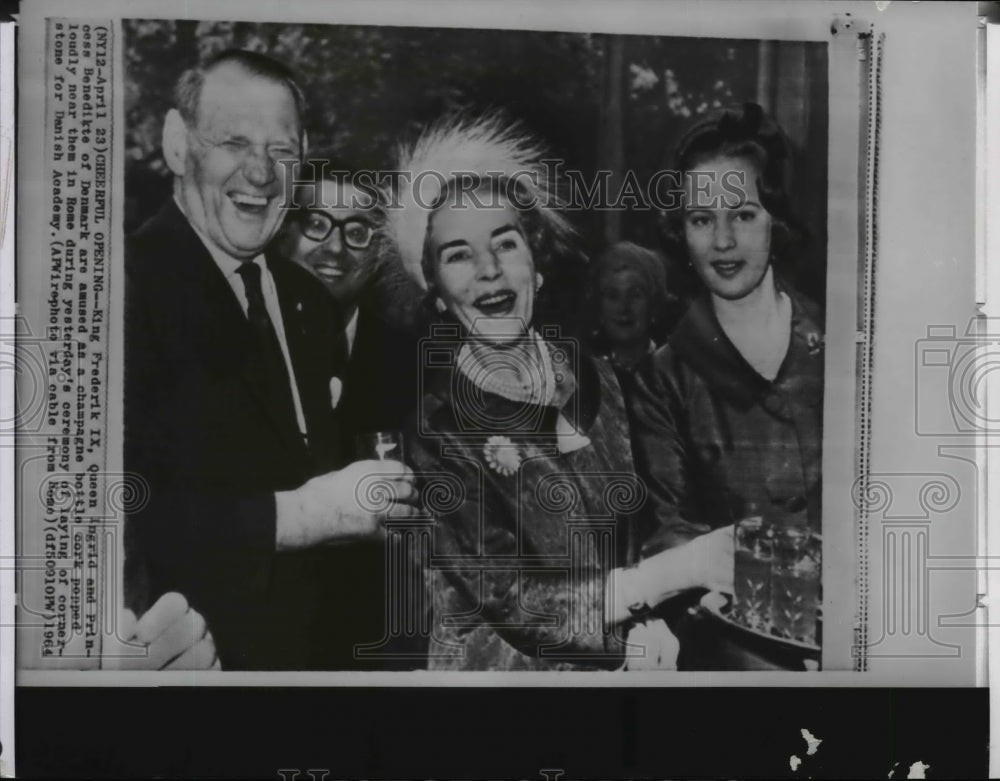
(539, 281)
(439, 305)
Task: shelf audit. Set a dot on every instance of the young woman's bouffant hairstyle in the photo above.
(744, 132)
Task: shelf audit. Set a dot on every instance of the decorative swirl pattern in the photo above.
(557, 493)
(875, 496)
(625, 494)
(375, 493)
(442, 492)
(126, 495)
(475, 415)
(59, 492)
(939, 495)
(968, 389)
(491, 375)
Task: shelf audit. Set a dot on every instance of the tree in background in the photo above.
(614, 103)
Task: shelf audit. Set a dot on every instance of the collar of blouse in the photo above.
(537, 373)
(574, 382)
(701, 342)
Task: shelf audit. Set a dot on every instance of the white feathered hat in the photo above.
(489, 146)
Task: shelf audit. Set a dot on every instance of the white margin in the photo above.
(991, 308)
(7, 314)
(767, 19)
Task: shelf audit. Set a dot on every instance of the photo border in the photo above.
(785, 23)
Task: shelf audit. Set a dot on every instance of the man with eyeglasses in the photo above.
(334, 233)
(228, 412)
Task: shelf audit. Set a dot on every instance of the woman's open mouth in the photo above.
(496, 304)
(728, 269)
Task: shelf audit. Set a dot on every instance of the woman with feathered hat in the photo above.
(521, 437)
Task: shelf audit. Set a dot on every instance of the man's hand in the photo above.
(346, 505)
(176, 638)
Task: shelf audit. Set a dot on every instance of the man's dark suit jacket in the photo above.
(198, 430)
(380, 391)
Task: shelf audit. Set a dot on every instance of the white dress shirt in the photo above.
(351, 331)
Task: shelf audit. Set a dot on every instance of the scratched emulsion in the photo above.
(812, 742)
(917, 770)
(812, 745)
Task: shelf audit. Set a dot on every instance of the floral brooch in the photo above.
(502, 455)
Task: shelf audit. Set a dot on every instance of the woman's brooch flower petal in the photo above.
(502, 455)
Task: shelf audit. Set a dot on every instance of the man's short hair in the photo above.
(327, 164)
(187, 91)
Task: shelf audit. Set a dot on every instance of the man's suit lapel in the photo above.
(226, 332)
(310, 334)
(194, 291)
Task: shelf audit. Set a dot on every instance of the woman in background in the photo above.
(728, 414)
(631, 304)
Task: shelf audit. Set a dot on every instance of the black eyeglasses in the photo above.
(355, 233)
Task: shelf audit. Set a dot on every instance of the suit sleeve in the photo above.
(179, 536)
(662, 452)
(537, 612)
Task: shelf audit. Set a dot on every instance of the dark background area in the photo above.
(601, 102)
(512, 733)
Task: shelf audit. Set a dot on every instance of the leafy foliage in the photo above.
(369, 87)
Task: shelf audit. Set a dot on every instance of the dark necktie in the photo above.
(273, 370)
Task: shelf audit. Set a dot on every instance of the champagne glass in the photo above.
(795, 583)
(754, 549)
(379, 445)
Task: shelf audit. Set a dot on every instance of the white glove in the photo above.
(712, 559)
(653, 646)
